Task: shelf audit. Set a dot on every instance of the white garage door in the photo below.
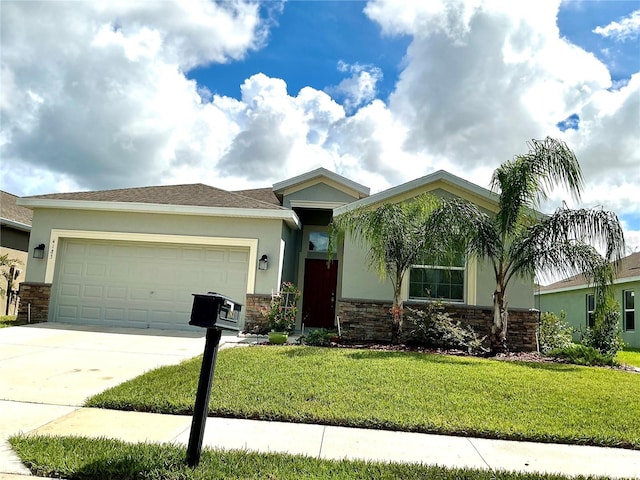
(142, 285)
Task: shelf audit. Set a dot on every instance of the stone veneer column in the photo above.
(34, 298)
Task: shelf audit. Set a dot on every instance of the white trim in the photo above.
(17, 225)
(582, 286)
(57, 234)
(288, 216)
(316, 204)
(419, 182)
(320, 172)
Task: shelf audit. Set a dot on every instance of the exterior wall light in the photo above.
(263, 263)
(38, 252)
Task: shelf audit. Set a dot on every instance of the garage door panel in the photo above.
(91, 312)
(73, 268)
(142, 285)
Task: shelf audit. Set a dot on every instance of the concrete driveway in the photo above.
(59, 364)
(47, 370)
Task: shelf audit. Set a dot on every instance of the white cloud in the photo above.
(104, 102)
(358, 89)
(104, 99)
(627, 28)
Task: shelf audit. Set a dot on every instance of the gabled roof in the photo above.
(441, 176)
(12, 214)
(628, 270)
(280, 187)
(196, 199)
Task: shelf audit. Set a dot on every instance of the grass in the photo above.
(81, 458)
(401, 391)
(9, 321)
(630, 356)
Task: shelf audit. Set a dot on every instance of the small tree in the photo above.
(396, 235)
(519, 242)
(605, 336)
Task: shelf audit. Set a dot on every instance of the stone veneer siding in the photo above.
(37, 295)
(254, 304)
(370, 321)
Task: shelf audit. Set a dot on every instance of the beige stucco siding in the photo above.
(267, 232)
(360, 281)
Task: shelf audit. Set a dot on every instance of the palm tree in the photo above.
(396, 236)
(520, 242)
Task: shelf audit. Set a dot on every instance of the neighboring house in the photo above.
(15, 227)
(133, 257)
(575, 296)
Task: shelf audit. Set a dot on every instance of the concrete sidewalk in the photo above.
(48, 370)
(332, 442)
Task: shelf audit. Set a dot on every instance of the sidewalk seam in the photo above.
(324, 429)
(480, 455)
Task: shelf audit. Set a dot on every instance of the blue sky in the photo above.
(239, 94)
(310, 38)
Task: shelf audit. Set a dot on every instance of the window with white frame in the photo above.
(628, 308)
(433, 279)
(591, 306)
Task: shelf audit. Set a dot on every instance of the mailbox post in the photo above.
(214, 312)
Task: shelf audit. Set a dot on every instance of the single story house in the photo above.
(133, 257)
(15, 228)
(575, 296)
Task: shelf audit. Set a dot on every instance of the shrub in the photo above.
(605, 334)
(433, 327)
(319, 337)
(553, 332)
(583, 355)
(281, 312)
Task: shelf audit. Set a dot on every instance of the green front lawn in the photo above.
(102, 459)
(401, 391)
(630, 356)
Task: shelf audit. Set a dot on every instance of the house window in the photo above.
(442, 280)
(591, 306)
(318, 241)
(628, 307)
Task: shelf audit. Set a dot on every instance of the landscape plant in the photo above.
(283, 309)
(318, 337)
(432, 326)
(554, 332)
(396, 235)
(605, 335)
(520, 242)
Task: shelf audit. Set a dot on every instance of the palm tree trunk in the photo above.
(498, 337)
(396, 315)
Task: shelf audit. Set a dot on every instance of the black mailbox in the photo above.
(212, 310)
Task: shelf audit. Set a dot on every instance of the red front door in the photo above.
(319, 298)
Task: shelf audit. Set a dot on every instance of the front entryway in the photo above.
(319, 298)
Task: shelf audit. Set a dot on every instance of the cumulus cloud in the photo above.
(358, 89)
(627, 28)
(105, 102)
(96, 90)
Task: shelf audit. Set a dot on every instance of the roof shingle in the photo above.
(190, 194)
(10, 211)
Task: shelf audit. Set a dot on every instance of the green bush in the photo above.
(319, 337)
(605, 335)
(433, 327)
(583, 355)
(553, 332)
